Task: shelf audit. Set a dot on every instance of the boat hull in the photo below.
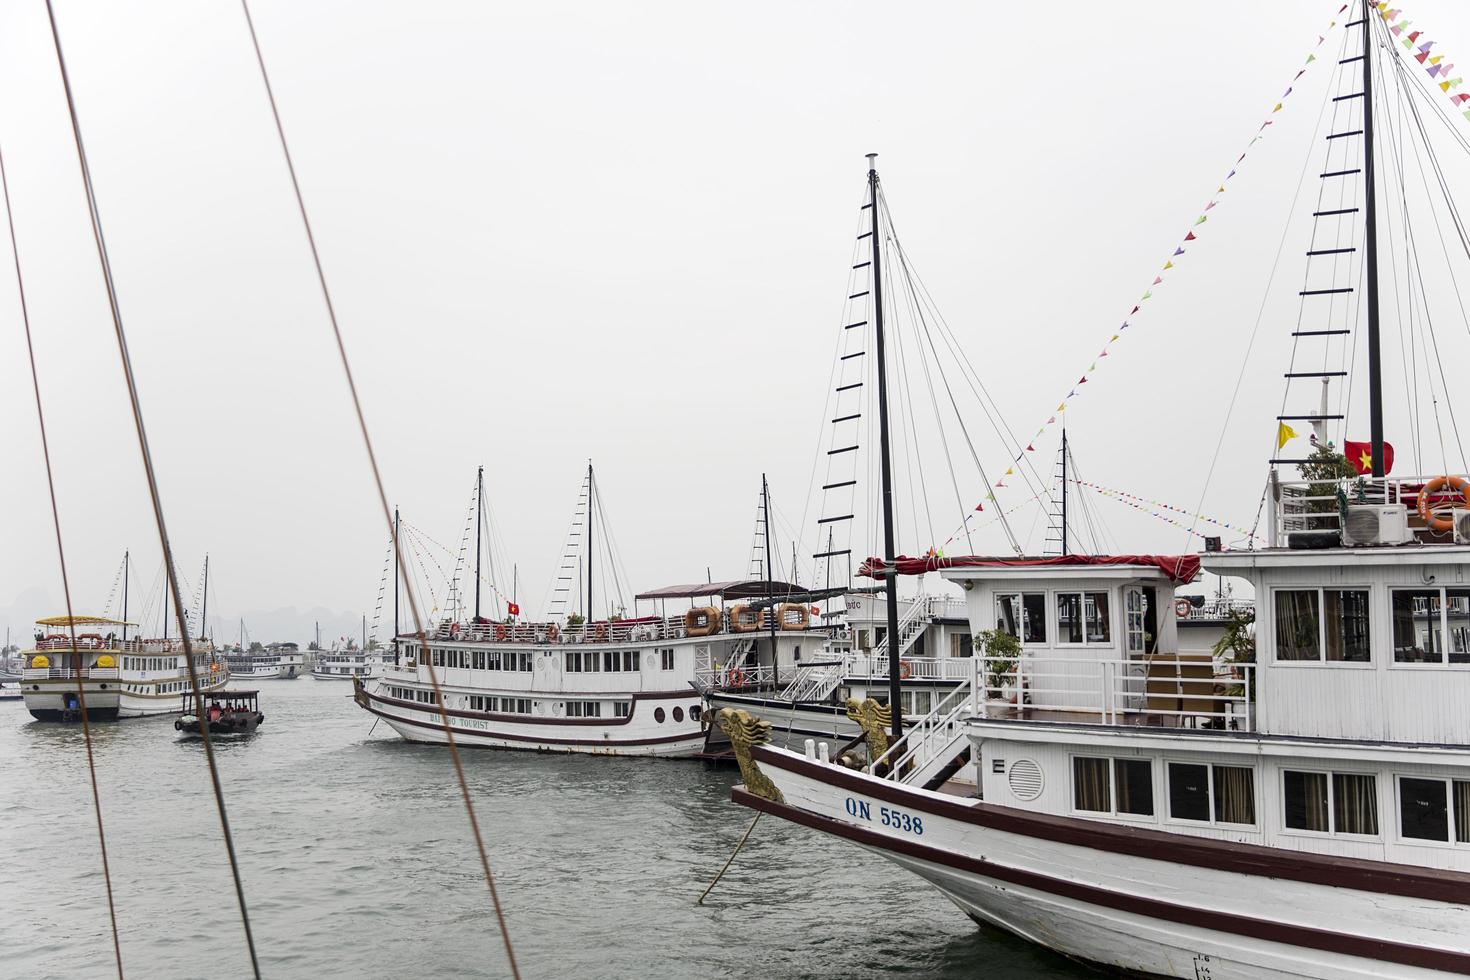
(1138, 901)
(637, 735)
(791, 723)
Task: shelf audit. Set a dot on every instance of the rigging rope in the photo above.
(382, 496)
(25, 317)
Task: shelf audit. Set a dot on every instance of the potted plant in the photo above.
(1002, 653)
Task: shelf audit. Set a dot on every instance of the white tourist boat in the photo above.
(345, 665)
(1294, 805)
(121, 677)
(616, 686)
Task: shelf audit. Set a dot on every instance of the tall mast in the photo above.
(479, 508)
(204, 603)
(125, 597)
(1064, 490)
(770, 585)
(1370, 250)
(397, 570)
(589, 541)
(895, 684)
(165, 606)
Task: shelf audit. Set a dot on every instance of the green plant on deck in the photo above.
(1238, 646)
(576, 619)
(1002, 652)
(1326, 471)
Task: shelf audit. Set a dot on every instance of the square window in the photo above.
(1090, 786)
(1134, 786)
(1189, 791)
(1235, 794)
(1354, 804)
(1023, 615)
(1416, 626)
(1298, 636)
(1424, 811)
(1306, 800)
(1346, 628)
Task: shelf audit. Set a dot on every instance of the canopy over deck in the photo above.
(739, 589)
(1179, 568)
(81, 621)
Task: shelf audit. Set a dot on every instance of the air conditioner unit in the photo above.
(1461, 518)
(1376, 524)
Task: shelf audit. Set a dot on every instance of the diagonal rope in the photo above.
(25, 317)
(367, 441)
(137, 409)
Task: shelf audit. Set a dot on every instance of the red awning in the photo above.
(1179, 568)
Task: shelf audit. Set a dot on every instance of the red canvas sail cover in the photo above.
(1179, 568)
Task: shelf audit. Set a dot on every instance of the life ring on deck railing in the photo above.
(1426, 508)
(454, 631)
(1182, 606)
(551, 633)
(500, 631)
(737, 678)
(702, 621)
(905, 669)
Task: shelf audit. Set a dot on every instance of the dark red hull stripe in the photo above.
(1380, 877)
(541, 695)
(1240, 925)
(474, 733)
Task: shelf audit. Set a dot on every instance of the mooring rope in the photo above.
(25, 317)
(367, 441)
(168, 562)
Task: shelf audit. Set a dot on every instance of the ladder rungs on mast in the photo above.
(830, 520)
(1328, 214)
(844, 449)
(848, 357)
(1310, 418)
(1343, 173)
(1332, 251)
(835, 486)
(1351, 132)
(858, 295)
(1316, 374)
(1318, 333)
(1325, 292)
(862, 265)
(832, 554)
(855, 384)
(860, 323)
(847, 418)
(1350, 95)
(1356, 57)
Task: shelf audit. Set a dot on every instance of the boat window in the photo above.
(658, 715)
(1091, 789)
(1212, 794)
(961, 645)
(622, 709)
(1023, 615)
(666, 658)
(584, 709)
(1133, 627)
(1322, 625)
(1351, 800)
(1425, 806)
(579, 661)
(1082, 617)
(678, 714)
(1430, 623)
(1133, 782)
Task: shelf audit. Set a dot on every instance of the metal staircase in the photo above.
(815, 681)
(929, 751)
(910, 627)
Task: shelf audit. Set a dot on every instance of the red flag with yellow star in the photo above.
(1360, 454)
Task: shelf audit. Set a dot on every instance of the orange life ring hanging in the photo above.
(1426, 509)
(737, 678)
(905, 669)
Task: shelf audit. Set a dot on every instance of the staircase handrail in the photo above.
(919, 735)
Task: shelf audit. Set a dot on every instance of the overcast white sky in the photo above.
(619, 231)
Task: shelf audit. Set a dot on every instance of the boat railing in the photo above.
(934, 734)
(864, 666)
(64, 673)
(89, 643)
(642, 630)
(1317, 505)
(1170, 690)
(1219, 608)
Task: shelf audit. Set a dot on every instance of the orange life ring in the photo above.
(1182, 607)
(1426, 509)
(551, 632)
(905, 669)
(737, 678)
(601, 634)
(500, 631)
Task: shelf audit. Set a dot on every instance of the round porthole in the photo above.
(678, 714)
(1025, 779)
(658, 715)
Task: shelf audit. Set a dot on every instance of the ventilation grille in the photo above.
(1362, 525)
(1025, 779)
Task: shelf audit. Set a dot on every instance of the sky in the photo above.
(559, 232)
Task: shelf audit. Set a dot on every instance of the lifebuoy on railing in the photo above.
(552, 633)
(737, 678)
(1182, 607)
(793, 616)
(501, 631)
(744, 619)
(702, 621)
(1426, 505)
(905, 669)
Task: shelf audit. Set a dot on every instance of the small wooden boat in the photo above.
(225, 713)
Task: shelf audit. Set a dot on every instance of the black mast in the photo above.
(589, 542)
(895, 685)
(1064, 490)
(479, 508)
(770, 585)
(397, 570)
(204, 602)
(165, 606)
(125, 598)
(1370, 250)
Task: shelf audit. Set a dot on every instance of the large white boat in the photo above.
(120, 677)
(344, 665)
(615, 686)
(1294, 804)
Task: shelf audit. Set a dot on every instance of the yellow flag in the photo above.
(1169, 264)
(1436, 59)
(1284, 434)
(1010, 472)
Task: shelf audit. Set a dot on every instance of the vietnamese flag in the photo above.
(513, 609)
(1360, 454)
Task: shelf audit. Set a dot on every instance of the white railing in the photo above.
(64, 673)
(1218, 609)
(1182, 692)
(874, 667)
(932, 736)
(1306, 505)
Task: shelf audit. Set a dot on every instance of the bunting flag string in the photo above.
(1179, 249)
(1145, 504)
(1434, 65)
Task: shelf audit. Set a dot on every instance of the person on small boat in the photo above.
(214, 712)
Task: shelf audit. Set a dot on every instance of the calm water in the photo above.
(358, 863)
